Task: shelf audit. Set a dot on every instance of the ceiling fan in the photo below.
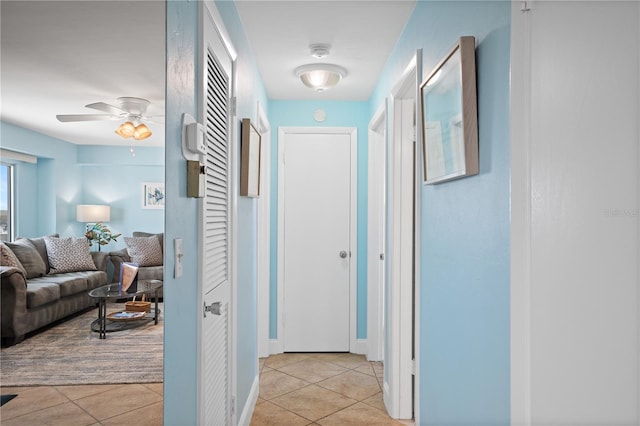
(132, 110)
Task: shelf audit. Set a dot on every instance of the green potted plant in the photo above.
(100, 234)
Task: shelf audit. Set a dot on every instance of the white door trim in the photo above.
(264, 233)
(521, 220)
(397, 390)
(376, 226)
(353, 133)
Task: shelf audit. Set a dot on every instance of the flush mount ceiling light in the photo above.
(320, 77)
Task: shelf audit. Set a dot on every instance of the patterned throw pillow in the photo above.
(69, 255)
(148, 234)
(145, 251)
(7, 258)
(29, 257)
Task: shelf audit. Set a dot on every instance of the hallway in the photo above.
(320, 389)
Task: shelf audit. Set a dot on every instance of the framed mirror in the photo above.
(250, 160)
(450, 116)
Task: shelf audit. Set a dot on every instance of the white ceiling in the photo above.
(57, 56)
(361, 33)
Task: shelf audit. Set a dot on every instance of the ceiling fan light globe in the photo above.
(141, 132)
(126, 130)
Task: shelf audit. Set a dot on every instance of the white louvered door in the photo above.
(215, 375)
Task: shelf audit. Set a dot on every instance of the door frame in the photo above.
(400, 390)
(376, 233)
(264, 234)
(353, 267)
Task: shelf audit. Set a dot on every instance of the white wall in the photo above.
(575, 213)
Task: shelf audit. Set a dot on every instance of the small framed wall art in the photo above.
(450, 116)
(250, 160)
(153, 195)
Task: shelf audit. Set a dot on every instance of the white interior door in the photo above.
(316, 171)
(215, 332)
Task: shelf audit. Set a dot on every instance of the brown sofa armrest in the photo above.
(101, 259)
(13, 297)
(117, 257)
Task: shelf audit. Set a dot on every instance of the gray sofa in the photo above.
(33, 295)
(154, 272)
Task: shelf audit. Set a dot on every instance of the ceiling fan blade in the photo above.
(85, 117)
(101, 106)
(159, 119)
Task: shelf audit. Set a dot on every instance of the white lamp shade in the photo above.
(93, 213)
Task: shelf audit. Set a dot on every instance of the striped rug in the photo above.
(69, 353)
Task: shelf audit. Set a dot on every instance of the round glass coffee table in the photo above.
(112, 292)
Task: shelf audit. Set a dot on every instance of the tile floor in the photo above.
(295, 389)
(320, 389)
(83, 405)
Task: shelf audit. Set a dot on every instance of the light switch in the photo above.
(177, 244)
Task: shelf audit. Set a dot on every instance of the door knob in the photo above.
(214, 308)
(343, 254)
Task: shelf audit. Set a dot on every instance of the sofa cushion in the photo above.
(151, 273)
(29, 257)
(69, 255)
(41, 247)
(145, 251)
(41, 292)
(9, 259)
(160, 237)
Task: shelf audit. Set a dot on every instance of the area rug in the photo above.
(69, 353)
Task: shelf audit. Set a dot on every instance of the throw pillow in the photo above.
(7, 258)
(29, 257)
(148, 234)
(41, 247)
(145, 251)
(69, 254)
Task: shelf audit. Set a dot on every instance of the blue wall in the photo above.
(67, 174)
(464, 288)
(339, 114)
(249, 91)
(182, 312)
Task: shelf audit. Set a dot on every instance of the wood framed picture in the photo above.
(250, 160)
(153, 195)
(450, 116)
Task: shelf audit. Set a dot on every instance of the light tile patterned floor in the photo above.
(320, 389)
(295, 389)
(136, 404)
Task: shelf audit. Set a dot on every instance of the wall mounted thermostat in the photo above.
(319, 115)
(196, 138)
(194, 148)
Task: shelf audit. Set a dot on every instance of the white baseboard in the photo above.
(275, 347)
(386, 398)
(361, 347)
(247, 412)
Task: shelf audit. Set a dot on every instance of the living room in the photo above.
(86, 164)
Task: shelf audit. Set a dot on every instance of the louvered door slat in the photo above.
(215, 233)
